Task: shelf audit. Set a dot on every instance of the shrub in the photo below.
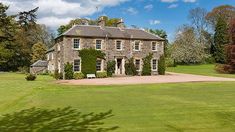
(78, 75)
(161, 65)
(101, 74)
(58, 75)
(23, 69)
(169, 62)
(30, 77)
(89, 57)
(223, 68)
(68, 69)
(130, 68)
(147, 65)
(209, 59)
(110, 68)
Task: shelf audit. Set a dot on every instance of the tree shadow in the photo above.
(55, 120)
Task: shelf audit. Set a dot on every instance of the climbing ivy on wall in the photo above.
(89, 57)
(147, 65)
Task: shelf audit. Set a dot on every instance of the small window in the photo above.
(119, 45)
(98, 44)
(76, 43)
(52, 56)
(137, 64)
(98, 65)
(76, 65)
(137, 45)
(58, 47)
(154, 46)
(154, 64)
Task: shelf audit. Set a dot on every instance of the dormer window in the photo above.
(137, 46)
(118, 45)
(76, 43)
(98, 45)
(154, 46)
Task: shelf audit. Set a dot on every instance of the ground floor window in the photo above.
(76, 65)
(137, 64)
(154, 64)
(98, 65)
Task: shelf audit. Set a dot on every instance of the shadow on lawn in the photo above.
(56, 120)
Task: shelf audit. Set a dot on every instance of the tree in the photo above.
(221, 38)
(197, 17)
(147, 65)
(27, 18)
(226, 12)
(232, 31)
(186, 48)
(38, 52)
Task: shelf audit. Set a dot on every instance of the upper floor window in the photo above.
(137, 46)
(76, 65)
(76, 43)
(58, 47)
(137, 64)
(98, 45)
(154, 64)
(154, 46)
(119, 45)
(98, 65)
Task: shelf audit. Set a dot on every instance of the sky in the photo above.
(154, 14)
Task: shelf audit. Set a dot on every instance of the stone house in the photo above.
(118, 43)
(39, 66)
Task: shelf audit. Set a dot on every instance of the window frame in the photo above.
(101, 43)
(79, 44)
(121, 45)
(156, 67)
(139, 68)
(139, 49)
(100, 65)
(79, 66)
(154, 42)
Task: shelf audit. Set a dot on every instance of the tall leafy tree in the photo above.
(221, 38)
(38, 52)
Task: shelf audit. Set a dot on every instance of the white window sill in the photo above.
(76, 49)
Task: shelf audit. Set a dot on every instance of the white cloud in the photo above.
(189, 1)
(154, 22)
(131, 11)
(173, 6)
(148, 7)
(60, 11)
(169, 1)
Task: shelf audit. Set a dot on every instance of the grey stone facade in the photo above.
(64, 48)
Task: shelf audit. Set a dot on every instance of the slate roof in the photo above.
(39, 63)
(111, 32)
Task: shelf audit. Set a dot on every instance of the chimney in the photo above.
(120, 23)
(101, 21)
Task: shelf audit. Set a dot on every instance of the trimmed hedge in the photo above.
(147, 65)
(30, 77)
(161, 65)
(89, 57)
(78, 75)
(101, 74)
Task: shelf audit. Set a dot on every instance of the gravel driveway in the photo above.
(169, 78)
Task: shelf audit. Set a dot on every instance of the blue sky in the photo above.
(155, 14)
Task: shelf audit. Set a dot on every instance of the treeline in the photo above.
(204, 40)
(22, 40)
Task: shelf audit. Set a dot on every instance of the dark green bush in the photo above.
(89, 57)
(130, 68)
(161, 65)
(30, 77)
(78, 75)
(147, 65)
(101, 74)
(110, 68)
(68, 69)
(58, 75)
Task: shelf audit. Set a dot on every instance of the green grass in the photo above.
(181, 107)
(207, 70)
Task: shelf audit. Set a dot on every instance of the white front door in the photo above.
(120, 66)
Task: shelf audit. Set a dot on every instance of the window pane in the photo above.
(98, 65)
(137, 45)
(98, 44)
(76, 43)
(137, 64)
(76, 65)
(118, 45)
(154, 64)
(154, 46)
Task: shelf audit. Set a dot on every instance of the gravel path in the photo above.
(169, 78)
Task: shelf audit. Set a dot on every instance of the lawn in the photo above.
(182, 107)
(206, 69)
